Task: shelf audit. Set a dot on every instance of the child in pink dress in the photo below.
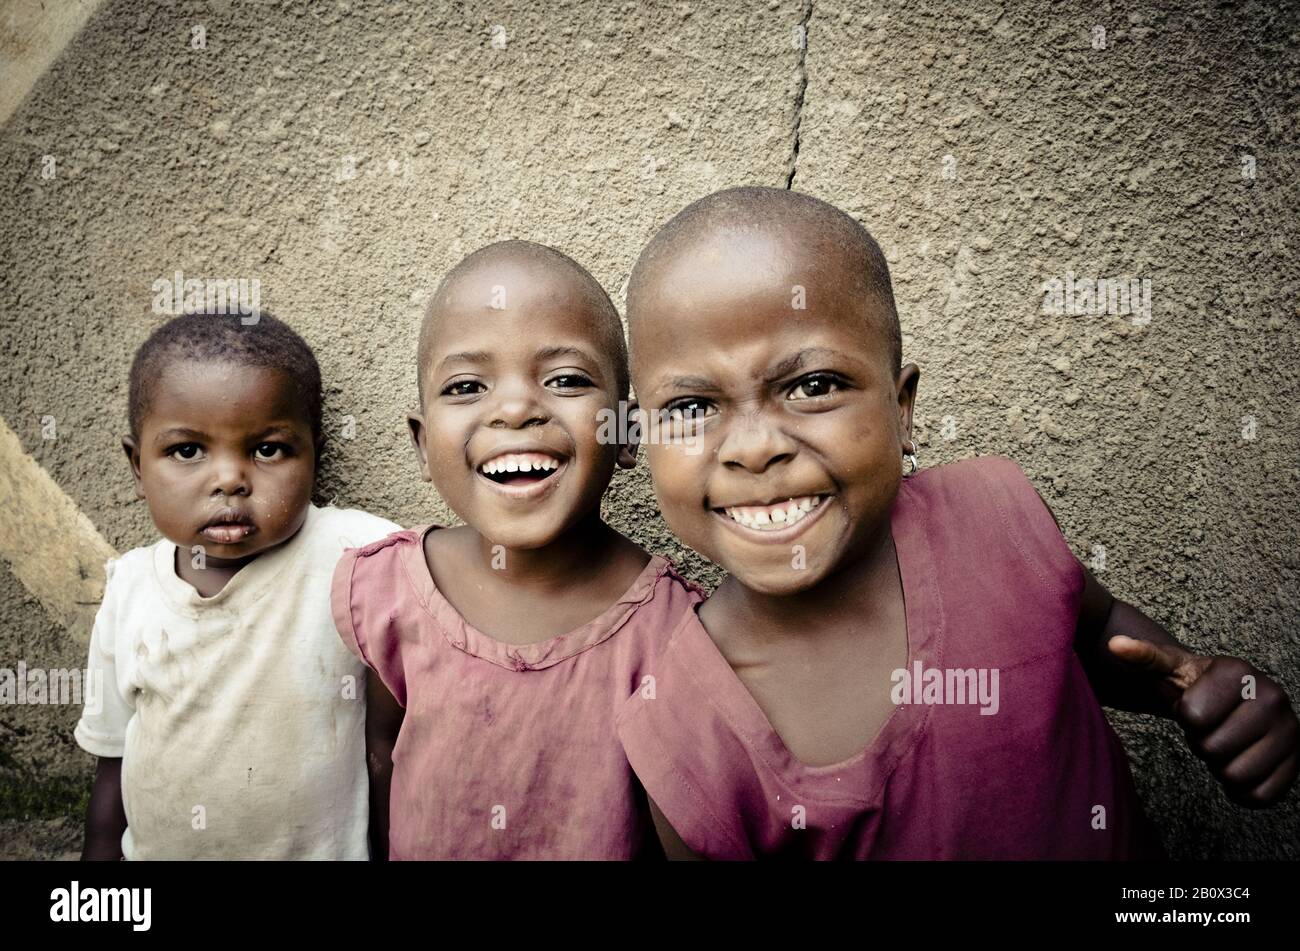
(501, 650)
(894, 667)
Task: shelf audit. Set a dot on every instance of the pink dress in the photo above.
(505, 751)
(989, 583)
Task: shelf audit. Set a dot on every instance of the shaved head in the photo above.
(544, 263)
(844, 250)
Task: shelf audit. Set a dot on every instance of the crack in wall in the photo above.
(793, 162)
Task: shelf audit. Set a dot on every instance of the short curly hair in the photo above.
(268, 343)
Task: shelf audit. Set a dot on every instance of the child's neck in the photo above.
(212, 578)
(848, 596)
(525, 596)
(574, 556)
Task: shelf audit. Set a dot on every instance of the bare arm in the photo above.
(1235, 717)
(1117, 683)
(384, 717)
(105, 816)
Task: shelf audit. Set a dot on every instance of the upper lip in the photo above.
(771, 499)
(229, 516)
(534, 448)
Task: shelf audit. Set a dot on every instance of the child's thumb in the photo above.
(1163, 660)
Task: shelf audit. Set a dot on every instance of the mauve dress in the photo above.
(989, 582)
(505, 752)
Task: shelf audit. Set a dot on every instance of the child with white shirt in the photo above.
(232, 720)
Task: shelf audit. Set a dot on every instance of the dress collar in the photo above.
(861, 778)
(463, 636)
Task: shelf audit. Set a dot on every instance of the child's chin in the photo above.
(521, 536)
(777, 581)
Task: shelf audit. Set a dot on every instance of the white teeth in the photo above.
(770, 518)
(519, 462)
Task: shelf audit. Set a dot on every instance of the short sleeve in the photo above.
(1028, 525)
(366, 599)
(664, 768)
(101, 731)
(341, 603)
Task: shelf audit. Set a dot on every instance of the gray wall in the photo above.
(590, 128)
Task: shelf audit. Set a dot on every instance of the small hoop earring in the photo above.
(910, 465)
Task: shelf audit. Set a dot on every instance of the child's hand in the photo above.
(1235, 717)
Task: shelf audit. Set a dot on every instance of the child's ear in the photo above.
(908, 377)
(415, 423)
(132, 447)
(627, 450)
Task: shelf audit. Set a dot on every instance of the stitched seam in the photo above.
(352, 621)
(686, 786)
(941, 627)
(1014, 535)
(617, 626)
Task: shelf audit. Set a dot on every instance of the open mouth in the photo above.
(774, 517)
(521, 472)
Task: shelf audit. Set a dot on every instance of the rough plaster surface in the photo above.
(32, 34)
(592, 126)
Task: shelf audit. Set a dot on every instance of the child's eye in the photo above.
(462, 388)
(815, 385)
(686, 413)
(566, 381)
(271, 451)
(185, 452)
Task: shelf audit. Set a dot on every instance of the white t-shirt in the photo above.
(240, 718)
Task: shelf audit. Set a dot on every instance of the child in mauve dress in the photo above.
(900, 664)
(501, 650)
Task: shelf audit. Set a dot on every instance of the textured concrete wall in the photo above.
(345, 154)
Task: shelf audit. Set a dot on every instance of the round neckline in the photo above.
(246, 586)
(871, 765)
(463, 636)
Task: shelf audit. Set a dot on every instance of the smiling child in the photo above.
(501, 649)
(762, 326)
(231, 722)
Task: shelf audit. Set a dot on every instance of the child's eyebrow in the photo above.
(783, 368)
(466, 356)
(686, 383)
(797, 361)
(275, 429)
(548, 353)
(178, 432)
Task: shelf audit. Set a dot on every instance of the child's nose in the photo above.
(230, 475)
(755, 443)
(516, 408)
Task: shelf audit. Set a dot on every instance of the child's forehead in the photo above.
(794, 260)
(513, 306)
(474, 284)
(714, 295)
(223, 392)
(528, 325)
